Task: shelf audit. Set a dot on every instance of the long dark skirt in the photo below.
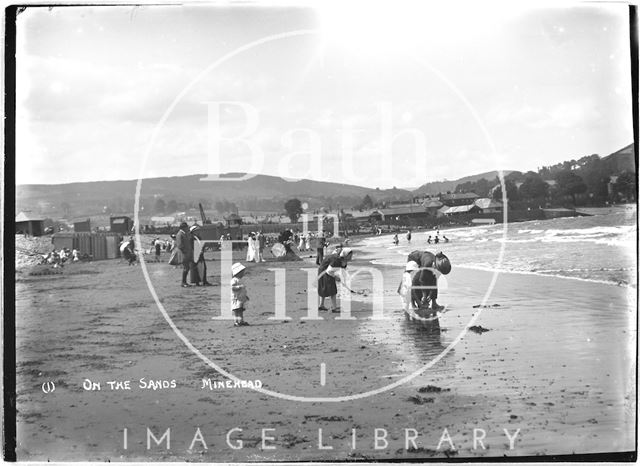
(327, 286)
(129, 255)
(426, 278)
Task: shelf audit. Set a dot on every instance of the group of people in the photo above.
(256, 242)
(396, 240)
(307, 242)
(419, 286)
(128, 250)
(436, 240)
(191, 248)
(59, 258)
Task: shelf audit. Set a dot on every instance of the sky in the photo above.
(378, 95)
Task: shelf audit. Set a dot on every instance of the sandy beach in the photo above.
(557, 362)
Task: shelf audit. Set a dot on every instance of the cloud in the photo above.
(565, 115)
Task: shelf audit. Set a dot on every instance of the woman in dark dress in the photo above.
(425, 280)
(198, 274)
(327, 277)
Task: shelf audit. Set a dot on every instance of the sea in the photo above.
(597, 248)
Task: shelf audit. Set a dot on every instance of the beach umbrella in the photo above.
(278, 250)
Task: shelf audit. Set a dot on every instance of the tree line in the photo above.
(589, 180)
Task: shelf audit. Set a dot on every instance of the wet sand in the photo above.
(557, 362)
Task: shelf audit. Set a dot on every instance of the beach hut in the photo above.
(29, 225)
(121, 224)
(98, 245)
(233, 220)
(82, 226)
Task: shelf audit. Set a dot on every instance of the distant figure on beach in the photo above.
(409, 236)
(251, 247)
(446, 240)
(395, 239)
(262, 242)
(429, 239)
(158, 247)
(426, 277)
(328, 274)
(436, 240)
(307, 242)
(320, 244)
(239, 296)
(286, 238)
(301, 242)
(198, 274)
(184, 243)
(128, 251)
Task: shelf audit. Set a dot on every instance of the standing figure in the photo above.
(395, 239)
(251, 247)
(409, 236)
(239, 296)
(184, 242)
(262, 242)
(199, 273)
(328, 274)
(320, 244)
(158, 247)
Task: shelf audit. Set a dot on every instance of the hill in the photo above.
(261, 192)
(436, 187)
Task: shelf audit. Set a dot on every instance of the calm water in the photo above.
(599, 248)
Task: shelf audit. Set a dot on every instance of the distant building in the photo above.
(459, 210)
(488, 206)
(84, 225)
(458, 199)
(29, 225)
(163, 221)
(233, 220)
(404, 212)
(431, 206)
(121, 224)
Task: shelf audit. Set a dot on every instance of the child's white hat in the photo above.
(237, 268)
(411, 266)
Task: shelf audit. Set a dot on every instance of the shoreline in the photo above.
(569, 380)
